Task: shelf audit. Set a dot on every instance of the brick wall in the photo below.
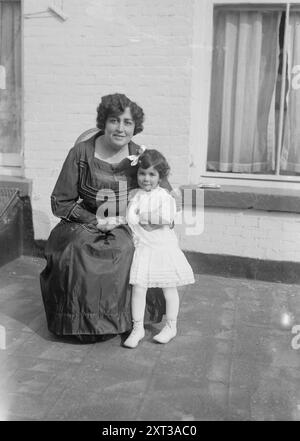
(256, 234)
(140, 48)
(144, 49)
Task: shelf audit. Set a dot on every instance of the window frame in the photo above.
(12, 164)
(202, 51)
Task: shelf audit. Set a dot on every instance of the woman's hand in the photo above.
(151, 227)
(109, 224)
(144, 221)
(106, 228)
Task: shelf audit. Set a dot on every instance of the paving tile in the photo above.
(9, 290)
(34, 322)
(28, 392)
(117, 374)
(276, 399)
(27, 381)
(17, 361)
(15, 339)
(30, 405)
(267, 346)
(231, 360)
(31, 387)
(207, 314)
(81, 405)
(263, 392)
(202, 404)
(50, 347)
(181, 367)
(267, 309)
(14, 417)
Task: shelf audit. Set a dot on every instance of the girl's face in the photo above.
(119, 129)
(148, 178)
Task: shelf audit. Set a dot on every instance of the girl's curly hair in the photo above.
(114, 105)
(153, 158)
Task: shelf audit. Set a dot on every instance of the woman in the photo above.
(85, 285)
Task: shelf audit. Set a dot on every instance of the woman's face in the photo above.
(119, 129)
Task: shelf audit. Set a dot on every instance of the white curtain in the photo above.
(10, 91)
(290, 156)
(242, 129)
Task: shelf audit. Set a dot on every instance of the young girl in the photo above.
(158, 260)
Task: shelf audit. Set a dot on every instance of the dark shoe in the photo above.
(105, 337)
(94, 338)
(87, 338)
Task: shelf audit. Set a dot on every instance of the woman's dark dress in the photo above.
(85, 284)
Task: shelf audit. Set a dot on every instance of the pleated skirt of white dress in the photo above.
(160, 265)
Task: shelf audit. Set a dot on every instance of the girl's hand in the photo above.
(151, 227)
(144, 218)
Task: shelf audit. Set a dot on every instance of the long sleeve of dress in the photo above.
(65, 194)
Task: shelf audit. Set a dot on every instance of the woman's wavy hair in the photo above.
(153, 158)
(114, 105)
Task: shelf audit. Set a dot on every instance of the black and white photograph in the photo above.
(149, 213)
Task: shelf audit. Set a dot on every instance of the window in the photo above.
(10, 83)
(254, 127)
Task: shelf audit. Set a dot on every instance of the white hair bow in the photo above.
(135, 158)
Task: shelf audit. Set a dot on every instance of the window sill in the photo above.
(22, 184)
(256, 198)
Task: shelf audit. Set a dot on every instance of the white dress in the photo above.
(158, 261)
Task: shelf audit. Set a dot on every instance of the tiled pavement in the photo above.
(232, 359)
